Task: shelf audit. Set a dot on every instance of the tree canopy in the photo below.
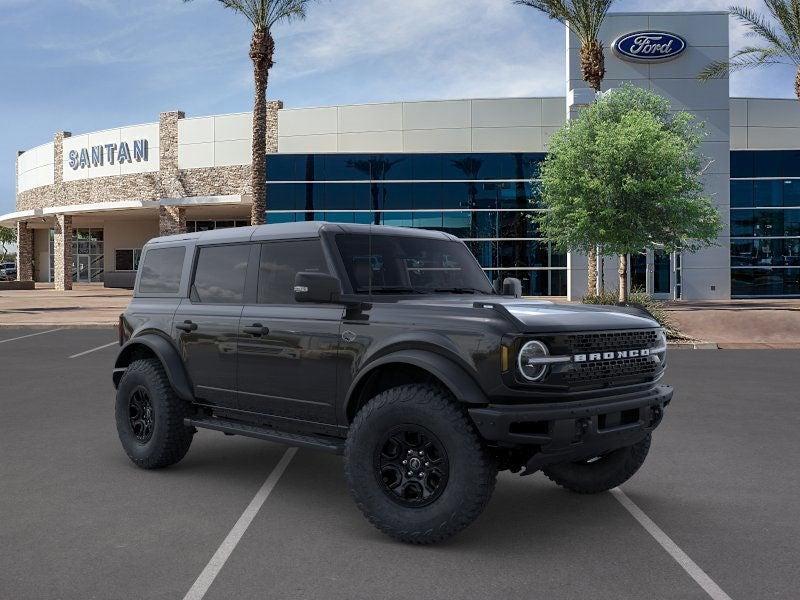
(8, 236)
(626, 175)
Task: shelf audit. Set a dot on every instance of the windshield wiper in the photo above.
(460, 290)
(389, 289)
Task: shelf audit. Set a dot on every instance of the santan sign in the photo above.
(97, 156)
(649, 46)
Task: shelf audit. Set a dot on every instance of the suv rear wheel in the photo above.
(600, 473)
(150, 416)
(415, 465)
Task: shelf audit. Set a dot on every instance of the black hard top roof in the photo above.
(303, 229)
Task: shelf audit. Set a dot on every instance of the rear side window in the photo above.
(220, 274)
(161, 270)
(280, 262)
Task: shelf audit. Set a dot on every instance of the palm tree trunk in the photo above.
(623, 278)
(797, 84)
(593, 70)
(593, 64)
(262, 48)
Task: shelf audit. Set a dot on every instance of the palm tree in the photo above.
(584, 19)
(263, 15)
(780, 42)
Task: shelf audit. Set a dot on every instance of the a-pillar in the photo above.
(24, 252)
(171, 219)
(62, 253)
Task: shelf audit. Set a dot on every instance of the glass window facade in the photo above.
(486, 199)
(765, 223)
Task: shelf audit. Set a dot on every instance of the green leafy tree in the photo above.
(263, 15)
(8, 236)
(778, 40)
(584, 19)
(626, 175)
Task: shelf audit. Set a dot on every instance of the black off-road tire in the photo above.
(602, 474)
(471, 473)
(169, 438)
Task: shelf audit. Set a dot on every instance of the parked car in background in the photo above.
(8, 271)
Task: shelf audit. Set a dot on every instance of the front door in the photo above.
(83, 268)
(207, 323)
(288, 352)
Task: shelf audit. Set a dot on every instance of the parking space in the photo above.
(80, 521)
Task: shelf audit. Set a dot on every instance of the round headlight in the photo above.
(529, 367)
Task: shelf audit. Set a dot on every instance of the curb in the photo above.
(40, 325)
(693, 345)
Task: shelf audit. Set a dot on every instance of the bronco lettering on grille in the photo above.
(595, 356)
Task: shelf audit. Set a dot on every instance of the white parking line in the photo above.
(22, 337)
(688, 565)
(206, 578)
(85, 352)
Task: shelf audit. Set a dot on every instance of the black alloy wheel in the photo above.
(140, 415)
(411, 465)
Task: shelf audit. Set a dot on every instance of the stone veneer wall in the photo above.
(62, 250)
(24, 248)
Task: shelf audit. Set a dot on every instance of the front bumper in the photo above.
(561, 432)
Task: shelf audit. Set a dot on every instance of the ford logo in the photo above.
(649, 46)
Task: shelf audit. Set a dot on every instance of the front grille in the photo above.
(607, 341)
(611, 370)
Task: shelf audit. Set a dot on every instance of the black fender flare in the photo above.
(462, 385)
(166, 353)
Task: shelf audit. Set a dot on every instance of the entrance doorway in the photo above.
(652, 272)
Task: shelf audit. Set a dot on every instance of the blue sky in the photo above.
(84, 65)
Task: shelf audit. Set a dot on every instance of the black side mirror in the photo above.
(319, 288)
(512, 287)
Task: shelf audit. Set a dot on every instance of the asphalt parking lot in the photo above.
(78, 520)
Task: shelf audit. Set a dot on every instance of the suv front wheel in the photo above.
(415, 465)
(150, 416)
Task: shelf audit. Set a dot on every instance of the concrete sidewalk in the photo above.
(741, 323)
(87, 305)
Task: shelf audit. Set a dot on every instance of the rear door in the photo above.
(207, 323)
(288, 351)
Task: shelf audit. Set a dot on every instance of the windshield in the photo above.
(388, 264)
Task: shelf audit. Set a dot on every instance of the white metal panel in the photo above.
(716, 122)
(233, 127)
(307, 121)
(690, 63)
(739, 138)
(371, 117)
(698, 29)
(371, 141)
(554, 111)
(233, 152)
(196, 131)
(773, 112)
(507, 112)
(766, 138)
(76, 142)
(300, 144)
(738, 110)
(691, 94)
(720, 155)
(614, 27)
(151, 165)
(507, 139)
(195, 156)
(546, 133)
(445, 114)
(437, 140)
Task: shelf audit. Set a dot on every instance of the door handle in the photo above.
(256, 329)
(186, 326)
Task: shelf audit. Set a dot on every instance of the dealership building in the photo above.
(86, 204)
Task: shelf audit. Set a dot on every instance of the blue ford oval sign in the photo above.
(649, 46)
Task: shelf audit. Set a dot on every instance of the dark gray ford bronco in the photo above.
(389, 346)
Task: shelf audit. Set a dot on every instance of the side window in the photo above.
(220, 274)
(161, 271)
(280, 262)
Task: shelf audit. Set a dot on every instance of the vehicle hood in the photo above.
(543, 316)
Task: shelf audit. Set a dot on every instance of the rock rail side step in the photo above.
(323, 443)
